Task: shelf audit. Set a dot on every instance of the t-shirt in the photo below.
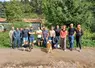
(57, 31)
(31, 35)
(39, 35)
(71, 31)
(45, 33)
(63, 34)
(25, 33)
(52, 33)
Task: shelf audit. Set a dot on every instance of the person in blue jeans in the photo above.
(16, 36)
(71, 32)
(45, 36)
(57, 31)
(25, 35)
(31, 38)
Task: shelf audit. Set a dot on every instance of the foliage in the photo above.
(4, 40)
(67, 11)
(2, 10)
(14, 10)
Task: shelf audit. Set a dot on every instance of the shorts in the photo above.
(39, 39)
(25, 39)
(31, 39)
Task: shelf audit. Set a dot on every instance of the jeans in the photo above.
(45, 42)
(71, 41)
(58, 38)
(17, 42)
(31, 39)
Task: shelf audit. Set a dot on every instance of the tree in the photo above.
(2, 10)
(14, 10)
(67, 11)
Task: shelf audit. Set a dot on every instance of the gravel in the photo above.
(53, 64)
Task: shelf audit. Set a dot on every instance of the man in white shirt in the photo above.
(11, 36)
(39, 36)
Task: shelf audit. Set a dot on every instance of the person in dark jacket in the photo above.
(79, 33)
(16, 36)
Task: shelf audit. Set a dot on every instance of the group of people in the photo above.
(57, 35)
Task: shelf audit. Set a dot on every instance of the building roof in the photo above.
(33, 20)
(25, 20)
(2, 19)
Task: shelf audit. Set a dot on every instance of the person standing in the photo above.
(11, 37)
(31, 38)
(45, 36)
(57, 31)
(16, 36)
(52, 34)
(63, 35)
(21, 36)
(25, 36)
(39, 36)
(79, 33)
(71, 32)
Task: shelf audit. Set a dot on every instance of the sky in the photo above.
(4, 0)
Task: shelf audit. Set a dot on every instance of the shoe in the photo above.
(65, 50)
(79, 50)
(71, 49)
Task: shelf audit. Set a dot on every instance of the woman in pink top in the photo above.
(63, 35)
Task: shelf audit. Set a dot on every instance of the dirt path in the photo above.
(37, 57)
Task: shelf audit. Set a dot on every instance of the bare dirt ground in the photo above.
(38, 58)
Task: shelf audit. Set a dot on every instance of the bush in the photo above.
(88, 39)
(4, 40)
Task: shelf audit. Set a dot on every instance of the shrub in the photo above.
(4, 40)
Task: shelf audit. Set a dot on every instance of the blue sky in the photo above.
(4, 0)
